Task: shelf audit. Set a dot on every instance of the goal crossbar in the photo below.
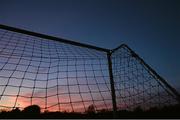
(114, 65)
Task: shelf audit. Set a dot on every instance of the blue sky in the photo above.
(150, 27)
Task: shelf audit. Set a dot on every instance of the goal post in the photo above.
(63, 75)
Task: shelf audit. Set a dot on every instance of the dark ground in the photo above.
(34, 112)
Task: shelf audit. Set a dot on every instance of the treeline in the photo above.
(34, 112)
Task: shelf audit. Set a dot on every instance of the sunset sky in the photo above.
(150, 27)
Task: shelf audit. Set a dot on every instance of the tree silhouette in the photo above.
(91, 109)
(16, 110)
(33, 109)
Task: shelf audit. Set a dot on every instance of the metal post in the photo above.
(5, 27)
(155, 75)
(113, 94)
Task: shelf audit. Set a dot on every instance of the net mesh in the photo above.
(135, 85)
(63, 77)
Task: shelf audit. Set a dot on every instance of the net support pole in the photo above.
(113, 94)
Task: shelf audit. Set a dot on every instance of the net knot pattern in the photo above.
(62, 77)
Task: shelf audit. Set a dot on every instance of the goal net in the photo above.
(59, 76)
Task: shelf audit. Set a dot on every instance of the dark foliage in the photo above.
(34, 112)
(91, 109)
(33, 109)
